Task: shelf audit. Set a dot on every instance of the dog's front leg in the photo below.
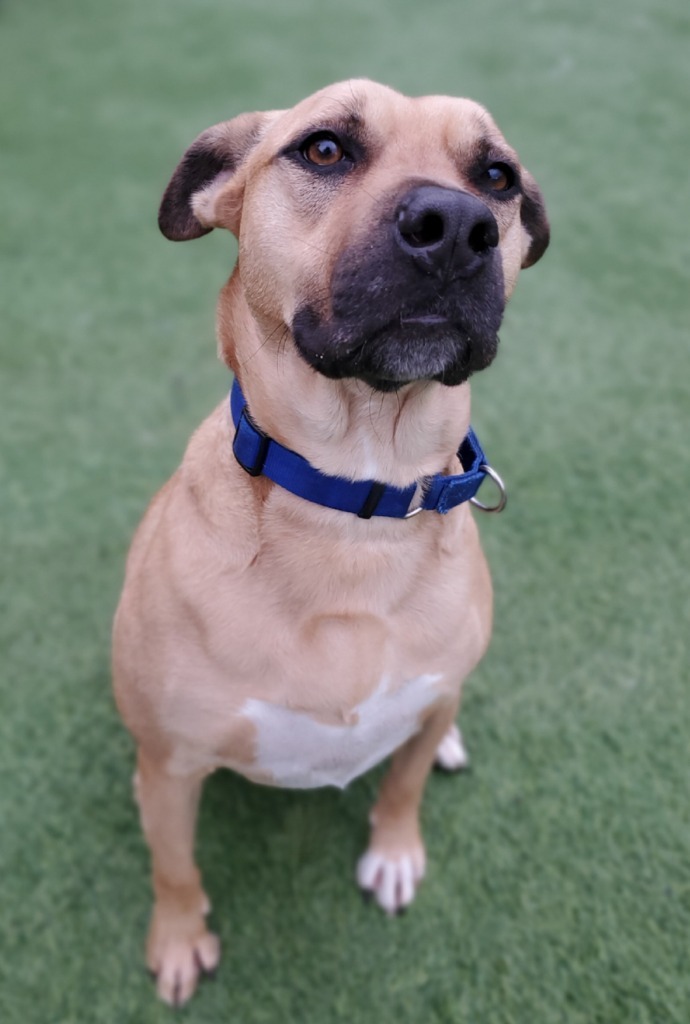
(394, 864)
(179, 946)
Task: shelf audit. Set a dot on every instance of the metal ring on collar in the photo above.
(503, 497)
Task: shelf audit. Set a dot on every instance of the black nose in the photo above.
(445, 230)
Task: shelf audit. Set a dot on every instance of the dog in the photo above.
(296, 606)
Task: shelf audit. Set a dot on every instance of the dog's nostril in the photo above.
(427, 230)
(483, 236)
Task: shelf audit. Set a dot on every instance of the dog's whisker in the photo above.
(280, 350)
(262, 345)
(312, 245)
(374, 198)
(370, 411)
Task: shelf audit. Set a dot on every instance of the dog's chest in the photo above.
(298, 751)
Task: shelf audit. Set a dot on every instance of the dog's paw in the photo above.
(178, 957)
(451, 755)
(391, 880)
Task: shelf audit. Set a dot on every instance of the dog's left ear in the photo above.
(188, 208)
(534, 220)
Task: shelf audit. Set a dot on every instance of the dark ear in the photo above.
(534, 220)
(211, 160)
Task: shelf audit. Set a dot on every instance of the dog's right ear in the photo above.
(534, 220)
(188, 207)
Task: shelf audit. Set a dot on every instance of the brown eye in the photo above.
(324, 151)
(499, 178)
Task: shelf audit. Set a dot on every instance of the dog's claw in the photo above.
(204, 971)
(463, 769)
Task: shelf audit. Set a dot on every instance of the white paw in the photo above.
(451, 755)
(177, 966)
(393, 881)
(180, 949)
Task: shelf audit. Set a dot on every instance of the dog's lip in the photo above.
(424, 320)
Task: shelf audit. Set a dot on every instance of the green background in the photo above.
(559, 886)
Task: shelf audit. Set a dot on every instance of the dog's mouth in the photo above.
(410, 348)
(423, 320)
(412, 345)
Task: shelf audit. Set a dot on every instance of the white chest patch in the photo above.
(301, 753)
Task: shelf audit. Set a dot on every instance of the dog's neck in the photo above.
(342, 427)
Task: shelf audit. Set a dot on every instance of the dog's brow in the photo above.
(488, 148)
(342, 114)
(347, 122)
(351, 108)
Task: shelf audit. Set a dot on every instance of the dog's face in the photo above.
(384, 233)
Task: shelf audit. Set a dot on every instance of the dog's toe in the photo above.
(451, 755)
(177, 965)
(391, 881)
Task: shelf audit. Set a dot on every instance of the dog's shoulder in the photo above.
(205, 512)
(212, 485)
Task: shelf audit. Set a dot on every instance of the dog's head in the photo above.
(384, 233)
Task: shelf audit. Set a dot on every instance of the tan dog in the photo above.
(379, 238)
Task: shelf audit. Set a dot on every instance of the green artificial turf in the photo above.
(559, 885)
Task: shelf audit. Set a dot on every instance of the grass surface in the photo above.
(559, 887)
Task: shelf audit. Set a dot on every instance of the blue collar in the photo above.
(259, 455)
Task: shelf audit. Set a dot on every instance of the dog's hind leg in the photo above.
(394, 864)
(179, 947)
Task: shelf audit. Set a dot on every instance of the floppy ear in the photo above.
(187, 209)
(534, 220)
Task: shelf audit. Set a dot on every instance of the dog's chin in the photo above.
(427, 348)
(402, 355)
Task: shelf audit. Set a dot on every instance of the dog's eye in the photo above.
(499, 178)
(323, 150)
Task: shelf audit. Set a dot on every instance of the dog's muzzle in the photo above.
(421, 298)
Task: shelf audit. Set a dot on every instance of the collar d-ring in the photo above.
(502, 495)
